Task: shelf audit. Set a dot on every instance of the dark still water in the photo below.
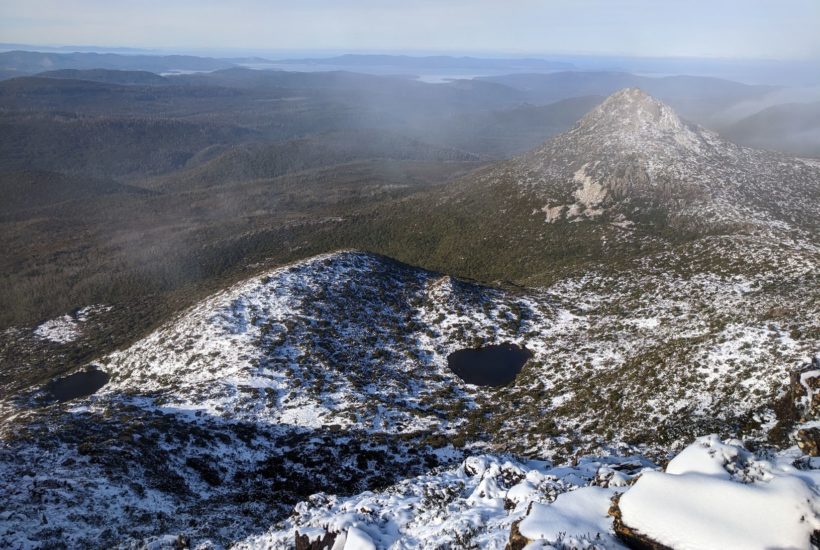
(496, 365)
(79, 384)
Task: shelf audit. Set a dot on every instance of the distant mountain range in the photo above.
(435, 63)
(511, 83)
(29, 62)
(108, 76)
(695, 97)
(24, 62)
(190, 132)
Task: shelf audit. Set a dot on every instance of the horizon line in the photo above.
(326, 53)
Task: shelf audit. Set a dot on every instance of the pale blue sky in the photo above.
(700, 28)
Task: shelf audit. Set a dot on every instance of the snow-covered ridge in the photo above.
(357, 340)
(344, 338)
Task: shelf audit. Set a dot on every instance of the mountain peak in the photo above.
(634, 118)
(633, 109)
(631, 96)
(632, 155)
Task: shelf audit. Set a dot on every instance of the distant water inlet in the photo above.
(79, 384)
(495, 365)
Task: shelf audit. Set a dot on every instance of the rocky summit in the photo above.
(633, 156)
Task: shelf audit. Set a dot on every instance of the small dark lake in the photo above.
(79, 384)
(495, 365)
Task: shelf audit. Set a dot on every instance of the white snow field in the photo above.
(67, 328)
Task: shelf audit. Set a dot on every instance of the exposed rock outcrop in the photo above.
(517, 540)
(800, 403)
(324, 542)
(808, 439)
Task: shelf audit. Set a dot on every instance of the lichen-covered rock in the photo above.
(811, 383)
(800, 403)
(808, 439)
(804, 390)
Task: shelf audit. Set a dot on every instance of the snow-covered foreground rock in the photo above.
(718, 495)
(714, 494)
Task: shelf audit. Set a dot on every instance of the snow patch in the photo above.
(580, 513)
(61, 330)
(67, 328)
(700, 502)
